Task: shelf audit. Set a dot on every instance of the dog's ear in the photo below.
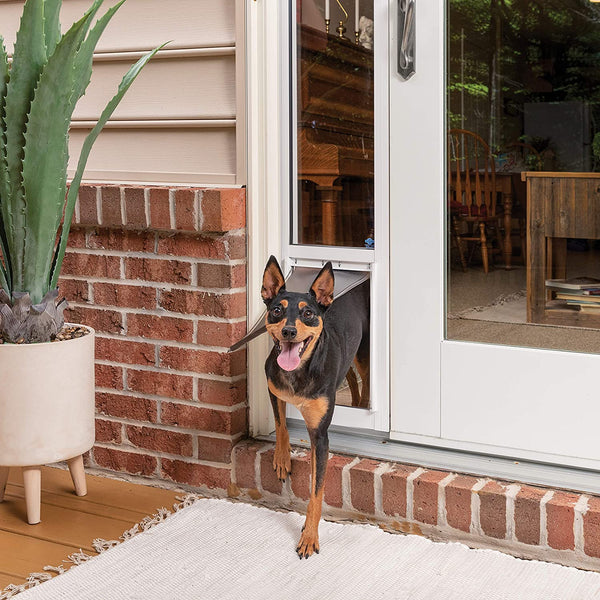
(322, 286)
(273, 280)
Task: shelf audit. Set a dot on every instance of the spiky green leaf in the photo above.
(46, 156)
(83, 61)
(51, 24)
(28, 60)
(3, 168)
(125, 84)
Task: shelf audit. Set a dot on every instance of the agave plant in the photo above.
(39, 89)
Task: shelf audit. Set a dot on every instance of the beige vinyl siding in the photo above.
(178, 123)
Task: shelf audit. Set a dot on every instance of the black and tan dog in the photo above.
(316, 340)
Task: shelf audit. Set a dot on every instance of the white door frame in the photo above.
(268, 183)
(528, 403)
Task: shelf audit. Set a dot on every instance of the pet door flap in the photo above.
(300, 280)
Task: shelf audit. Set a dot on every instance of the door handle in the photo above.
(406, 38)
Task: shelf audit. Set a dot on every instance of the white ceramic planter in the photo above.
(46, 401)
(46, 411)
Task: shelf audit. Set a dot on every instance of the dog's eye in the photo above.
(308, 313)
(276, 312)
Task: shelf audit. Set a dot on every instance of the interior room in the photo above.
(523, 157)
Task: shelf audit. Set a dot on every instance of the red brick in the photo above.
(244, 460)
(333, 481)
(458, 502)
(126, 407)
(76, 238)
(111, 206)
(203, 246)
(203, 361)
(492, 513)
(394, 490)
(121, 240)
(229, 306)
(223, 210)
(362, 485)
(160, 384)
(160, 327)
(102, 320)
(124, 296)
(163, 271)
(108, 431)
(221, 392)
(425, 496)
(135, 207)
(128, 462)
(221, 276)
(195, 474)
(236, 246)
(591, 528)
(124, 351)
(88, 209)
(160, 211)
(74, 290)
(185, 210)
(223, 335)
(268, 478)
(204, 419)
(109, 376)
(214, 449)
(92, 265)
(560, 517)
(160, 440)
(300, 475)
(527, 514)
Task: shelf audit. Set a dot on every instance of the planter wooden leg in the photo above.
(78, 475)
(3, 480)
(32, 480)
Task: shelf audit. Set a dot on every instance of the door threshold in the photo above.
(378, 446)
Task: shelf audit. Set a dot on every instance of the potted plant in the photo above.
(46, 368)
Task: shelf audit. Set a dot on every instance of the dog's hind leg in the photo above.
(353, 385)
(282, 461)
(362, 363)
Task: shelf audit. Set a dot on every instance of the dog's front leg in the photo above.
(317, 415)
(309, 541)
(282, 460)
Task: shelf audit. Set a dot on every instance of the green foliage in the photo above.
(38, 94)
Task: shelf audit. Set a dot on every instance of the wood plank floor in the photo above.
(68, 523)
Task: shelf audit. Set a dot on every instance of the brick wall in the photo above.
(160, 274)
(524, 520)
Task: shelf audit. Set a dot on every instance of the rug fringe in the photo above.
(100, 546)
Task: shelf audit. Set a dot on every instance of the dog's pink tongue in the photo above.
(289, 357)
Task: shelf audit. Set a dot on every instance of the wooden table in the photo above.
(559, 206)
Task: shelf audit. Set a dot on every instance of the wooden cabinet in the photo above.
(559, 206)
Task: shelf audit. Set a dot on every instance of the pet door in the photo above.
(300, 280)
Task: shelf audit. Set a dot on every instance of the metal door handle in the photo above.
(406, 38)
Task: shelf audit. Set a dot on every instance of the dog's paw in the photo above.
(308, 544)
(282, 463)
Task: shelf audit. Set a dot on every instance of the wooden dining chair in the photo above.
(521, 157)
(472, 195)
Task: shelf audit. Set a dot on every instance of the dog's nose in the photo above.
(289, 333)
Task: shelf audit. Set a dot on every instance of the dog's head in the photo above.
(295, 320)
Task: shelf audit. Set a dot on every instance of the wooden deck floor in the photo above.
(68, 523)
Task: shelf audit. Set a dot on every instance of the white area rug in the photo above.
(511, 308)
(219, 550)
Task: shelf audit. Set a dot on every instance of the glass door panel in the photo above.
(335, 132)
(523, 173)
